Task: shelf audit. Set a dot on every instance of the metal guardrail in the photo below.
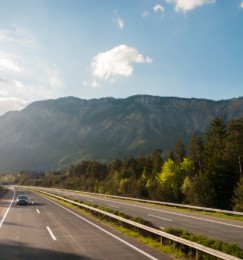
(163, 235)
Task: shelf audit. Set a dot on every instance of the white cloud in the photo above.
(148, 59)
(92, 83)
(85, 83)
(18, 35)
(3, 91)
(95, 84)
(241, 5)
(11, 104)
(145, 14)
(188, 5)
(158, 8)
(4, 37)
(25, 72)
(9, 65)
(45, 74)
(18, 84)
(8, 88)
(116, 62)
(53, 75)
(120, 22)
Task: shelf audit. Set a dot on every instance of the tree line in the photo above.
(208, 173)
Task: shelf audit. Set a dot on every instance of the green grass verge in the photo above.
(222, 215)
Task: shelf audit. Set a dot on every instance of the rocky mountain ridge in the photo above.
(54, 133)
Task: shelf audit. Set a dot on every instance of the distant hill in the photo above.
(53, 133)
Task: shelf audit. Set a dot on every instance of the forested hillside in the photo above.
(209, 173)
(54, 134)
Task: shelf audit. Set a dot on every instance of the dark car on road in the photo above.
(22, 200)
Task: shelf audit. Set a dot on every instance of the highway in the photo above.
(223, 229)
(45, 229)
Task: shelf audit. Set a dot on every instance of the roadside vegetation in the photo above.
(208, 173)
(231, 249)
(221, 215)
(3, 191)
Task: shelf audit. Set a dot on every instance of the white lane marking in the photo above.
(51, 234)
(6, 213)
(178, 214)
(107, 232)
(38, 211)
(113, 206)
(159, 217)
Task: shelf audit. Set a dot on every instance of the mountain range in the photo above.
(53, 134)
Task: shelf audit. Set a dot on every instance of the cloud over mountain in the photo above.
(188, 5)
(116, 62)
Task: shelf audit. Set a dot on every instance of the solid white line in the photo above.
(6, 213)
(160, 217)
(107, 232)
(113, 206)
(51, 234)
(38, 211)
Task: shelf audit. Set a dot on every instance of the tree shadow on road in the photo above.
(21, 251)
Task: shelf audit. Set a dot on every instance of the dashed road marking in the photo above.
(113, 206)
(160, 217)
(51, 234)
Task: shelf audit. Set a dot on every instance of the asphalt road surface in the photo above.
(223, 229)
(46, 230)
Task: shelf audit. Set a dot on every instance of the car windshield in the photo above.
(22, 197)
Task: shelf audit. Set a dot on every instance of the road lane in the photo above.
(26, 234)
(223, 229)
(22, 235)
(88, 238)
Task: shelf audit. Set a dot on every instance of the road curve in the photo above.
(47, 230)
(230, 231)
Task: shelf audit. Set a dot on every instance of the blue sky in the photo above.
(103, 48)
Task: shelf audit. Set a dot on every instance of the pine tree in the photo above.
(218, 171)
(234, 145)
(196, 153)
(180, 152)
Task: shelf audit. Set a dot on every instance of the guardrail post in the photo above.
(161, 240)
(164, 241)
(198, 254)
